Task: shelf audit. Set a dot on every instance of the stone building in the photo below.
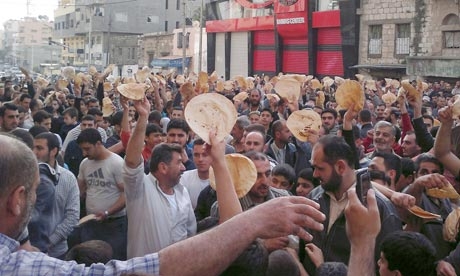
(415, 38)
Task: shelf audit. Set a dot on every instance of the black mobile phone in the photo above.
(363, 184)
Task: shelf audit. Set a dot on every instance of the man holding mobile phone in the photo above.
(333, 163)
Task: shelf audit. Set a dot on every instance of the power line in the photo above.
(102, 4)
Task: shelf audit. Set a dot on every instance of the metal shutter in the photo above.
(264, 56)
(239, 54)
(329, 57)
(220, 54)
(295, 55)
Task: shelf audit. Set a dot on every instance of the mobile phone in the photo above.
(363, 184)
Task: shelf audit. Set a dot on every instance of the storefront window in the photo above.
(325, 5)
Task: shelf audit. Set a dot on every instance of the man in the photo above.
(101, 183)
(392, 115)
(177, 133)
(198, 179)
(66, 210)
(255, 97)
(407, 253)
(389, 166)
(279, 148)
(9, 117)
(429, 174)
(328, 121)
(279, 217)
(266, 120)
(365, 119)
(159, 207)
(333, 163)
(24, 101)
(380, 112)
(74, 132)
(73, 154)
(177, 113)
(384, 137)
(237, 133)
(409, 145)
(34, 106)
(42, 118)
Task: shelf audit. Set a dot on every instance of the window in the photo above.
(375, 40)
(177, 24)
(120, 51)
(166, 5)
(166, 26)
(133, 53)
(402, 43)
(178, 5)
(451, 39)
(180, 40)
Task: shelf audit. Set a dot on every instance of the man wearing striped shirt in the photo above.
(66, 210)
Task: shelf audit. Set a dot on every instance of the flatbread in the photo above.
(228, 85)
(410, 90)
(43, 83)
(328, 82)
(143, 74)
(180, 79)
(107, 109)
(62, 83)
(213, 77)
(68, 72)
(133, 91)
(92, 70)
(107, 86)
(447, 191)
(242, 171)
(272, 96)
(24, 71)
(338, 80)
(389, 98)
(241, 83)
(86, 219)
(210, 111)
(219, 86)
(109, 69)
(350, 92)
(419, 212)
(241, 96)
(301, 120)
(288, 89)
(451, 226)
(456, 107)
(316, 84)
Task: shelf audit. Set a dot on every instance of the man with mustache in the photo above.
(333, 163)
(159, 208)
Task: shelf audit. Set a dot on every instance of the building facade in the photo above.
(26, 43)
(96, 30)
(414, 38)
(290, 36)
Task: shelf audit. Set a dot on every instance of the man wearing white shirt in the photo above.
(198, 179)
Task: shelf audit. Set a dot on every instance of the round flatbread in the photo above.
(419, 212)
(107, 109)
(242, 96)
(350, 92)
(210, 111)
(451, 226)
(68, 72)
(133, 91)
(456, 107)
(142, 75)
(447, 191)
(316, 84)
(410, 90)
(86, 219)
(389, 98)
(288, 89)
(301, 120)
(242, 171)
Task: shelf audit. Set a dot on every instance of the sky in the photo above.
(17, 9)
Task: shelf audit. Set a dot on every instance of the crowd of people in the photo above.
(96, 179)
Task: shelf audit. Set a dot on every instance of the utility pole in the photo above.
(200, 47)
(184, 42)
(89, 35)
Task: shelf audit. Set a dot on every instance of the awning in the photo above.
(380, 66)
(170, 61)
